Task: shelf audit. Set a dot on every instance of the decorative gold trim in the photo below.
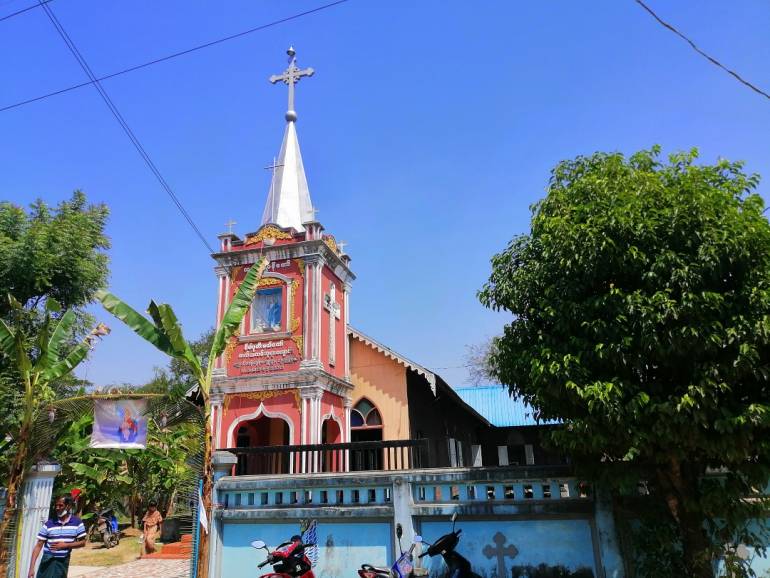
(294, 325)
(267, 232)
(263, 395)
(300, 341)
(300, 265)
(268, 281)
(331, 243)
(229, 349)
(235, 272)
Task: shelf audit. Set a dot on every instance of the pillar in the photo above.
(222, 463)
(402, 512)
(35, 505)
(609, 546)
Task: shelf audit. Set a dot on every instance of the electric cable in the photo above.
(119, 117)
(711, 59)
(174, 55)
(23, 10)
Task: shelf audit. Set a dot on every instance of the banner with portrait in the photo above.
(119, 423)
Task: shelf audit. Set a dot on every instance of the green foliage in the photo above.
(641, 303)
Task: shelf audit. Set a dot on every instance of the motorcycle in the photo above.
(288, 559)
(457, 565)
(107, 527)
(403, 567)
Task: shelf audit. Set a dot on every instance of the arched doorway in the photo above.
(366, 426)
(260, 432)
(331, 460)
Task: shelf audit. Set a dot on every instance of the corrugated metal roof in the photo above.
(497, 406)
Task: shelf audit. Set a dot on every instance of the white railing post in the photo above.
(35, 505)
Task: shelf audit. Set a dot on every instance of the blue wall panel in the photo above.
(343, 547)
(513, 546)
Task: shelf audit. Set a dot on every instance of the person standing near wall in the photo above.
(57, 538)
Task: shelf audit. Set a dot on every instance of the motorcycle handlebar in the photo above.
(262, 564)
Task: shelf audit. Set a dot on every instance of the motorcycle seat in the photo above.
(378, 570)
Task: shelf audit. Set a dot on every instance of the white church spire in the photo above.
(288, 201)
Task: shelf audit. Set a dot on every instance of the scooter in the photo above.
(403, 567)
(288, 559)
(107, 526)
(457, 565)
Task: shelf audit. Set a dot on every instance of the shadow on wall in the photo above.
(546, 571)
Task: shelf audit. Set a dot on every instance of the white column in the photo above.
(346, 321)
(35, 504)
(346, 433)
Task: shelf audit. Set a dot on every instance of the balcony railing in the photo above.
(343, 457)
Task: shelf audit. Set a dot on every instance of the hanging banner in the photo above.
(119, 423)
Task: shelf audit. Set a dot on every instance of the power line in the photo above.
(23, 10)
(116, 113)
(701, 52)
(175, 54)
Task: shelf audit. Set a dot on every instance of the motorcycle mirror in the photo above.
(258, 544)
(417, 539)
(399, 531)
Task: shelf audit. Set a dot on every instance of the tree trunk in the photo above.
(680, 488)
(15, 483)
(208, 482)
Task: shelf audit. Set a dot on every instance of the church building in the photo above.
(298, 373)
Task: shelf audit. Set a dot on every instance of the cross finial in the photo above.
(290, 77)
(341, 246)
(229, 224)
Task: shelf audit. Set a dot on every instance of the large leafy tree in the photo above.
(46, 252)
(165, 333)
(641, 303)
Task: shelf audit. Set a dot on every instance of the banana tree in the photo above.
(38, 362)
(165, 333)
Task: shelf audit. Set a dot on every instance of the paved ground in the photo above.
(136, 569)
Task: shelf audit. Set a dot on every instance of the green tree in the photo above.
(46, 253)
(165, 333)
(641, 304)
(39, 361)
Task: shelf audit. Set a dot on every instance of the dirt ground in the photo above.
(95, 554)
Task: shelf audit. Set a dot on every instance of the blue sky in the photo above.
(427, 131)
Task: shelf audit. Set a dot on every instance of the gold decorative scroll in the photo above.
(294, 325)
(300, 341)
(263, 395)
(235, 272)
(268, 232)
(300, 265)
(230, 347)
(331, 243)
(268, 281)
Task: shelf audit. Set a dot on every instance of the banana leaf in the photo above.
(136, 322)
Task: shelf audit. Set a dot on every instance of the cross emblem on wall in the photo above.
(331, 305)
(501, 552)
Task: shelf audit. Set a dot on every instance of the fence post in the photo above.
(609, 547)
(222, 464)
(35, 505)
(402, 511)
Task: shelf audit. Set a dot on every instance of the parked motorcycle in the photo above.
(288, 559)
(403, 567)
(107, 526)
(457, 565)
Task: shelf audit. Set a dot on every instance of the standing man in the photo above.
(57, 538)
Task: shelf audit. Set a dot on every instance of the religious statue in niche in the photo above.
(266, 310)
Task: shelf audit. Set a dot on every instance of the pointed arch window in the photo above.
(365, 415)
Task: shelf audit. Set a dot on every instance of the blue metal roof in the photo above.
(497, 406)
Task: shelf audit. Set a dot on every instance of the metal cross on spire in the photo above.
(290, 77)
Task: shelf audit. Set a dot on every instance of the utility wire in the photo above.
(711, 59)
(23, 10)
(175, 54)
(127, 129)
